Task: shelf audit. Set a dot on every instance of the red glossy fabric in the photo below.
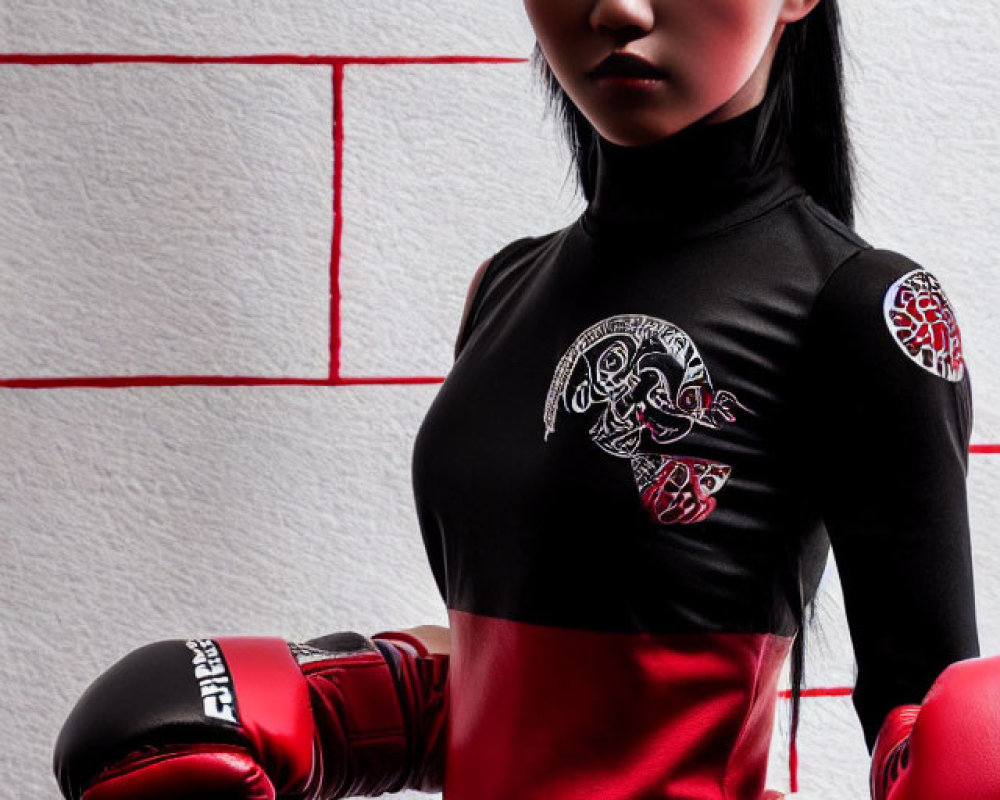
(540, 712)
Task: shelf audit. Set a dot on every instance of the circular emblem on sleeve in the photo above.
(922, 322)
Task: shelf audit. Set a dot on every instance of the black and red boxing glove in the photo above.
(245, 718)
(948, 747)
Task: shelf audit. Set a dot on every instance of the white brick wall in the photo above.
(176, 220)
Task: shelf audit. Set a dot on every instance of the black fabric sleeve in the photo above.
(890, 413)
(477, 297)
(496, 263)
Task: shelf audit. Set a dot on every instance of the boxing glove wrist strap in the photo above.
(891, 751)
(388, 710)
(422, 683)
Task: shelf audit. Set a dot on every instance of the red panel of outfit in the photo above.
(551, 712)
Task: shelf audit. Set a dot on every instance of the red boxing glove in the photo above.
(259, 719)
(946, 748)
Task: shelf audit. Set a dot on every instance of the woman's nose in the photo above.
(616, 15)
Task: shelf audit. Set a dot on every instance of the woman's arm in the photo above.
(435, 638)
(892, 411)
(469, 311)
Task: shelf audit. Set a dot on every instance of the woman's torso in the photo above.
(607, 484)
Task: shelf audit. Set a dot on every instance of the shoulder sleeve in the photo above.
(495, 264)
(890, 412)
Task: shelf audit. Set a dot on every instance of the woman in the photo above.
(659, 419)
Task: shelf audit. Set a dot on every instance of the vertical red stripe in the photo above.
(793, 768)
(793, 753)
(338, 161)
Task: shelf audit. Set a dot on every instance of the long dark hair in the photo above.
(803, 107)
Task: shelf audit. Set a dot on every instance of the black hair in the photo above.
(804, 105)
(803, 108)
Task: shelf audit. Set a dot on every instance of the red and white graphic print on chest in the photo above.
(645, 385)
(923, 324)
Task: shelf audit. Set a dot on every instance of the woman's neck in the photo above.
(702, 177)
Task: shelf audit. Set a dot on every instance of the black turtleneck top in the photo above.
(659, 419)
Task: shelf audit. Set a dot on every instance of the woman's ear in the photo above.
(794, 10)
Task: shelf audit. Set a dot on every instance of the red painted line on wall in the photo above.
(41, 59)
(337, 63)
(793, 751)
(404, 380)
(819, 691)
(337, 84)
(793, 767)
(985, 448)
(123, 381)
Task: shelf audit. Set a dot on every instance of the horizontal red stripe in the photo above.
(122, 381)
(271, 58)
(115, 382)
(349, 381)
(819, 691)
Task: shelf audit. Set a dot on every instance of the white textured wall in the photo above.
(176, 220)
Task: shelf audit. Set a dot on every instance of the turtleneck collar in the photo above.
(698, 180)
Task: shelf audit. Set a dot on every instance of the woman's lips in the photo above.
(624, 64)
(622, 70)
(632, 83)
